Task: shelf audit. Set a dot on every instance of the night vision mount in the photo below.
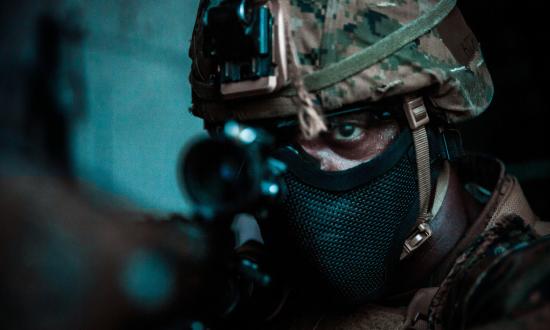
(246, 38)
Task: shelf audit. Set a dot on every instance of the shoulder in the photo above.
(502, 278)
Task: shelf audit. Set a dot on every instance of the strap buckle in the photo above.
(419, 236)
(416, 112)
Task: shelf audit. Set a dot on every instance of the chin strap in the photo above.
(417, 116)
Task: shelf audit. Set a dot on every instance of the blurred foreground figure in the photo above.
(72, 257)
(70, 261)
(383, 221)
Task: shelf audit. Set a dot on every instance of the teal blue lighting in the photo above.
(148, 280)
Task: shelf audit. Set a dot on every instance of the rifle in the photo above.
(72, 258)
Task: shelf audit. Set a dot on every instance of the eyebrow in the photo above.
(361, 116)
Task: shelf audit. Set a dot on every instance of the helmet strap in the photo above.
(362, 60)
(417, 117)
(310, 117)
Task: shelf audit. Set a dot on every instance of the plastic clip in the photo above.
(420, 235)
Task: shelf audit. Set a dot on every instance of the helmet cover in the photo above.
(446, 61)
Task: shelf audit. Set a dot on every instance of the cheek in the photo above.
(345, 155)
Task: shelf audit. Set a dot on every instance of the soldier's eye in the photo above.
(346, 132)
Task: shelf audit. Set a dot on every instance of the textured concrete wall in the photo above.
(136, 96)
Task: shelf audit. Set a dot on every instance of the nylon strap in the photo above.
(362, 60)
(417, 116)
(421, 146)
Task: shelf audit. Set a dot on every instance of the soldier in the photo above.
(386, 223)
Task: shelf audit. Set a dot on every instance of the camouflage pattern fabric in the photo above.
(446, 62)
(501, 281)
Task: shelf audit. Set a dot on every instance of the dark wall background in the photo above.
(515, 128)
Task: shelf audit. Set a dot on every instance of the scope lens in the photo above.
(220, 175)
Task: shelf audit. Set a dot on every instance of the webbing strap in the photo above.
(422, 148)
(396, 40)
(417, 116)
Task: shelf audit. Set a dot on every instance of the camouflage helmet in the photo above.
(350, 51)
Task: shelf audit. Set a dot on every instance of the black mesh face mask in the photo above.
(340, 234)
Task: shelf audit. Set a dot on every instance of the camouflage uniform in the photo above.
(447, 66)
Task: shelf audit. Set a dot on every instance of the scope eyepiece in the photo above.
(231, 172)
